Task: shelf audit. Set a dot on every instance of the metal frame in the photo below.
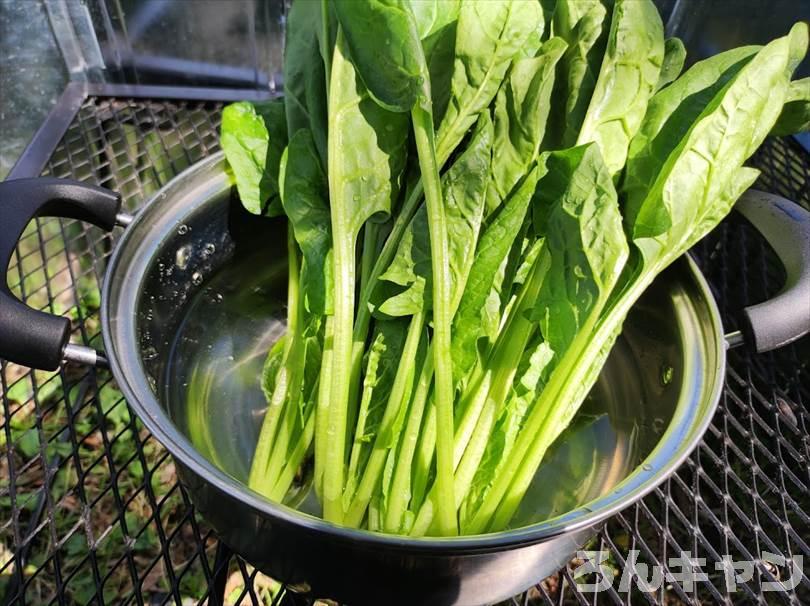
(35, 156)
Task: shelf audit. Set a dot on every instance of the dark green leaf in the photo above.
(305, 191)
(580, 23)
(674, 58)
(493, 247)
(795, 116)
(393, 68)
(253, 137)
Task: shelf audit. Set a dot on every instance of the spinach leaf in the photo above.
(366, 155)
(253, 137)
(305, 191)
(674, 58)
(394, 71)
(693, 192)
(587, 249)
(493, 247)
(464, 187)
(706, 159)
(304, 77)
(580, 23)
(795, 116)
(521, 112)
(627, 79)
(488, 36)
(672, 112)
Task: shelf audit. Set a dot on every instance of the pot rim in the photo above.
(636, 485)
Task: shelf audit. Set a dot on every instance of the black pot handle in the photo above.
(786, 227)
(27, 336)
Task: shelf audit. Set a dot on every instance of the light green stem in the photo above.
(376, 461)
(257, 479)
(400, 492)
(297, 455)
(442, 318)
(491, 394)
(322, 411)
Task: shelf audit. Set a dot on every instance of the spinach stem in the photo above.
(424, 457)
(257, 479)
(322, 411)
(297, 455)
(371, 474)
(344, 237)
(400, 492)
(442, 317)
(491, 393)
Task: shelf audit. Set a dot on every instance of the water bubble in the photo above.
(647, 467)
(182, 256)
(183, 229)
(196, 278)
(208, 250)
(149, 353)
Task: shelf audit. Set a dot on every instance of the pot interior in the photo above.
(208, 293)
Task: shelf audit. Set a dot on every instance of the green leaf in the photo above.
(696, 173)
(580, 23)
(464, 188)
(488, 36)
(795, 116)
(432, 16)
(672, 112)
(627, 79)
(439, 45)
(583, 233)
(393, 69)
(253, 137)
(305, 192)
(370, 148)
(674, 58)
(493, 247)
(304, 75)
(521, 112)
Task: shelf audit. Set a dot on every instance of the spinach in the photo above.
(627, 79)
(674, 58)
(580, 24)
(476, 194)
(795, 116)
(366, 158)
(253, 155)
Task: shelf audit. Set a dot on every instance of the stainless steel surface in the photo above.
(734, 339)
(671, 359)
(86, 356)
(123, 219)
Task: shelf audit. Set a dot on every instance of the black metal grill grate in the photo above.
(90, 509)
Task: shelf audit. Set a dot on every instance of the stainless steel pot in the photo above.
(193, 296)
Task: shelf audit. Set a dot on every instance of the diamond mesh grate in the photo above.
(91, 511)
